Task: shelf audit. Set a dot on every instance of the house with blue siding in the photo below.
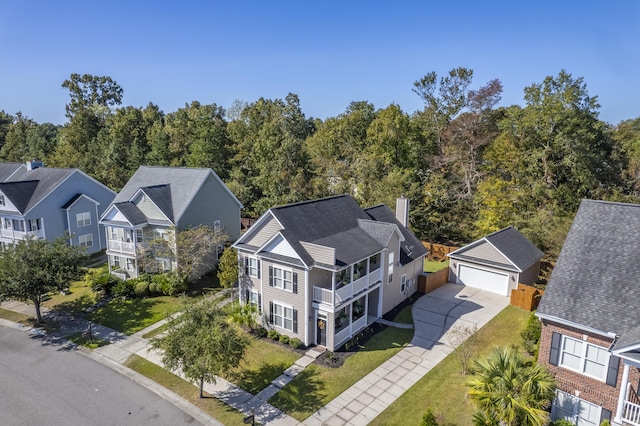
(45, 203)
(157, 202)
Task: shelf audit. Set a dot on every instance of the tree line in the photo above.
(468, 166)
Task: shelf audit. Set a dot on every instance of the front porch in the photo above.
(628, 410)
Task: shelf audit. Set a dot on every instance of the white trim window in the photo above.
(252, 266)
(85, 240)
(584, 357)
(283, 316)
(216, 225)
(33, 224)
(6, 223)
(254, 299)
(116, 261)
(283, 278)
(83, 219)
(2, 202)
(576, 410)
(390, 269)
(18, 225)
(403, 282)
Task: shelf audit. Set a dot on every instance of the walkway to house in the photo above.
(435, 315)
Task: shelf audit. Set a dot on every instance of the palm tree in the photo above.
(507, 390)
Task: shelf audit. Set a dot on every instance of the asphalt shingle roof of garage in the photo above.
(595, 281)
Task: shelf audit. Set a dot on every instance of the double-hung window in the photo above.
(578, 411)
(282, 279)
(85, 240)
(34, 224)
(283, 316)
(390, 271)
(2, 203)
(252, 267)
(83, 219)
(584, 357)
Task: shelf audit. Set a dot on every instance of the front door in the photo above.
(321, 332)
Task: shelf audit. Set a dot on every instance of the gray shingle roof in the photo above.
(47, 180)
(339, 222)
(161, 197)
(595, 281)
(131, 212)
(411, 247)
(183, 184)
(7, 169)
(19, 193)
(511, 243)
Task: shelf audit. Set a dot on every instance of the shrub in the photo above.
(284, 339)
(154, 288)
(141, 289)
(261, 332)
(295, 343)
(102, 281)
(124, 289)
(273, 335)
(531, 335)
(562, 422)
(429, 419)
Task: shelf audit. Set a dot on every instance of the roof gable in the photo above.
(595, 280)
(160, 196)
(19, 193)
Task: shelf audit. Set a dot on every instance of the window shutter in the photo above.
(260, 302)
(246, 266)
(270, 276)
(605, 415)
(295, 321)
(247, 296)
(612, 372)
(295, 283)
(270, 312)
(259, 266)
(556, 338)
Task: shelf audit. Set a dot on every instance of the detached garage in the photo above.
(496, 263)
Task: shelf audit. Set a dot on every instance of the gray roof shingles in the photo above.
(47, 179)
(7, 169)
(131, 212)
(595, 280)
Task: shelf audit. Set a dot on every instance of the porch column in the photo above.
(333, 289)
(366, 308)
(623, 393)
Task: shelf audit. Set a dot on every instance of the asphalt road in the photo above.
(43, 383)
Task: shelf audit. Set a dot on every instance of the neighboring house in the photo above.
(590, 330)
(47, 202)
(497, 262)
(323, 270)
(156, 202)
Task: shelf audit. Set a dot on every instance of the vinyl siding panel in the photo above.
(83, 205)
(392, 295)
(530, 275)
(286, 297)
(268, 229)
(280, 246)
(148, 208)
(211, 203)
(486, 251)
(320, 254)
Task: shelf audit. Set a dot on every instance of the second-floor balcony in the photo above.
(358, 278)
(123, 247)
(19, 235)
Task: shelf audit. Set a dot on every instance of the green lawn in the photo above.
(16, 316)
(316, 385)
(129, 316)
(212, 406)
(79, 339)
(155, 332)
(80, 297)
(443, 388)
(431, 266)
(405, 316)
(264, 362)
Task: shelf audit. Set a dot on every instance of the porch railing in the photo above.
(346, 292)
(18, 235)
(341, 336)
(121, 246)
(631, 413)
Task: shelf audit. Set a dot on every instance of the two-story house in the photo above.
(46, 203)
(323, 270)
(590, 332)
(157, 202)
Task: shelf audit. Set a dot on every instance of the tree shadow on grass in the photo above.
(76, 306)
(253, 381)
(125, 316)
(302, 395)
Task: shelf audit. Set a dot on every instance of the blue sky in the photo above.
(329, 53)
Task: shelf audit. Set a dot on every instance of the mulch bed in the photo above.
(336, 359)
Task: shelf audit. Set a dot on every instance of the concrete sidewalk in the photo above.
(435, 315)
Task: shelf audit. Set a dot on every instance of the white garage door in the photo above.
(484, 280)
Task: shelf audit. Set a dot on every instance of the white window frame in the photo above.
(254, 299)
(20, 223)
(577, 408)
(253, 269)
(34, 224)
(116, 261)
(7, 223)
(582, 357)
(403, 282)
(139, 235)
(282, 281)
(2, 202)
(85, 240)
(83, 219)
(216, 225)
(390, 268)
(282, 316)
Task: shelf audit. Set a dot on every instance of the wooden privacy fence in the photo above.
(430, 282)
(438, 252)
(526, 297)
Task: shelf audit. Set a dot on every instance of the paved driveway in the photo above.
(452, 306)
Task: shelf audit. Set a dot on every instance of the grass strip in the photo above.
(443, 388)
(212, 406)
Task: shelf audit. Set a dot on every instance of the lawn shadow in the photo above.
(76, 306)
(304, 394)
(126, 316)
(253, 381)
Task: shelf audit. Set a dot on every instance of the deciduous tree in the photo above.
(30, 269)
(201, 344)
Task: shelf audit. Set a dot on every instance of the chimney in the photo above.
(34, 164)
(402, 210)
